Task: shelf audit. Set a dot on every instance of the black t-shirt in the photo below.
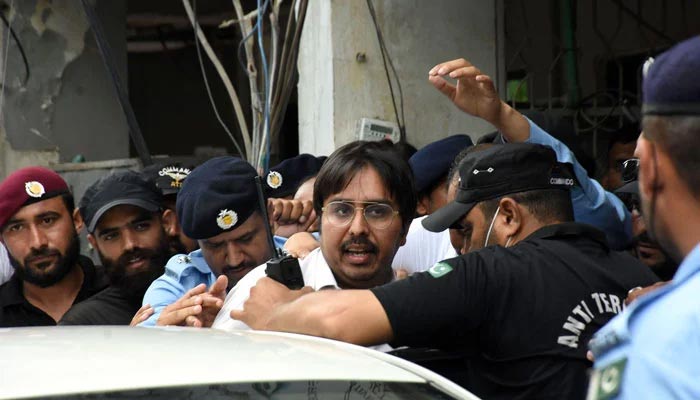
(109, 307)
(523, 315)
(15, 310)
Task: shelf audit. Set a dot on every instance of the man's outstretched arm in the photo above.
(353, 316)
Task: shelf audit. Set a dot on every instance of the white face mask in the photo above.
(488, 234)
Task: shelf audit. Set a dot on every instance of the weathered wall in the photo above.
(67, 106)
(335, 89)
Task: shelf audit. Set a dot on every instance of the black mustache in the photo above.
(644, 238)
(137, 252)
(359, 241)
(43, 252)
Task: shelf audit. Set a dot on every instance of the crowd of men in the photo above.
(505, 253)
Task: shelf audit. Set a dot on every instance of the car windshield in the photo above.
(307, 390)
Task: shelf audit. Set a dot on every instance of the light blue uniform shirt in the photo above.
(593, 205)
(182, 273)
(652, 349)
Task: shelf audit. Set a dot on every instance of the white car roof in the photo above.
(46, 361)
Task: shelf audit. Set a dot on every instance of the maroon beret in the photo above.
(28, 185)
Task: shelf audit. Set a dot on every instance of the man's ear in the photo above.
(78, 221)
(91, 239)
(511, 217)
(170, 224)
(647, 179)
(422, 205)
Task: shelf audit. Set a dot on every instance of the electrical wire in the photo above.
(265, 143)
(4, 67)
(199, 35)
(643, 22)
(387, 58)
(197, 30)
(27, 72)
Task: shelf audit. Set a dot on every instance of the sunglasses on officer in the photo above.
(630, 170)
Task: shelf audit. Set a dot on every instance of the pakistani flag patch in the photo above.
(440, 269)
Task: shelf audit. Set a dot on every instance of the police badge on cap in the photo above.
(274, 179)
(226, 219)
(34, 189)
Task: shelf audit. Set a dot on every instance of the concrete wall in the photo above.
(335, 89)
(68, 106)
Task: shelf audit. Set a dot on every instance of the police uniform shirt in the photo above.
(109, 307)
(182, 273)
(522, 315)
(15, 310)
(652, 350)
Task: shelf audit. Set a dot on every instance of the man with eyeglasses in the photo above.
(365, 198)
(652, 350)
(520, 306)
(643, 246)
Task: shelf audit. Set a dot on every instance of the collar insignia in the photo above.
(226, 219)
(274, 179)
(34, 189)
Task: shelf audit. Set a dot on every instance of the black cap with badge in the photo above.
(119, 188)
(498, 171)
(168, 177)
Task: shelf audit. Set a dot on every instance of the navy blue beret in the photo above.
(284, 178)
(432, 162)
(671, 85)
(216, 197)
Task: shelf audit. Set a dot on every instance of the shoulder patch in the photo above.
(440, 269)
(606, 381)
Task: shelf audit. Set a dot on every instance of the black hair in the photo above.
(546, 205)
(628, 133)
(404, 149)
(349, 159)
(678, 136)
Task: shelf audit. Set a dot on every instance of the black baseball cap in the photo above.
(498, 171)
(119, 188)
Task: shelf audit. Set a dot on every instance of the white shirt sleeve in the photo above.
(6, 269)
(423, 249)
(235, 299)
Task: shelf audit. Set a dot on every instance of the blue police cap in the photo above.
(216, 197)
(671, 85)
(284, 178)
(432, 162)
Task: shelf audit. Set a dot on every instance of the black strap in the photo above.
(108, 58)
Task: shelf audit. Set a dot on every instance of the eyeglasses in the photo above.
(630, 170)
(377, 215)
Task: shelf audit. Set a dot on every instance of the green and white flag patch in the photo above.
(440, 269)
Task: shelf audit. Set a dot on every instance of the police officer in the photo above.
(169, 178)
(217, 206)
(521, 305)
(651, 350)
(39, 227)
